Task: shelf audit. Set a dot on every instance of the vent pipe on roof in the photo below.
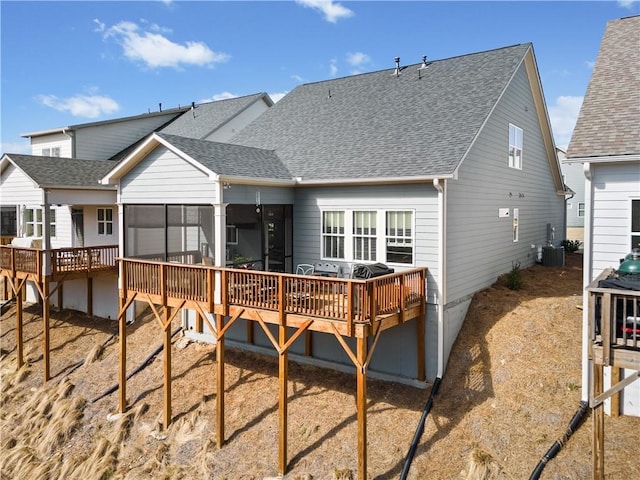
(160, 106)
(396, 72)
(422, 66)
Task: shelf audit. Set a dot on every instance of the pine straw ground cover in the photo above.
(510, 390)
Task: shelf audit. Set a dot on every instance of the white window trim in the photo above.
(38, 225)
(104, 221)
(516, 145)
(381, 235)
(581, 210)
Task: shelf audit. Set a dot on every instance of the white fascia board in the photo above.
(605, 159)
(271, 182)
(370, 181)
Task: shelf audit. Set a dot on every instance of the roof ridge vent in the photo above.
(396, 71)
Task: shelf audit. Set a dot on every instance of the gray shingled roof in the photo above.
(609, 120)
(62, 172)
(205, 118)
(378, 125)
(231, 160)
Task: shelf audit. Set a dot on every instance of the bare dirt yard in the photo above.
(512, 385)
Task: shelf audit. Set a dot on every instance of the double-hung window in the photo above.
(399, 237)
(369, 236)
(580, 209)
(105, 221)
(33, 223)
(51, 152)
(364, 235)
(333, 234)
(515, 147)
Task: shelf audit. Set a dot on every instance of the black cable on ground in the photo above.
(138, 369)
(574, 424)
(419, 430)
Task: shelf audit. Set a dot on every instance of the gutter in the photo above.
(587, 267)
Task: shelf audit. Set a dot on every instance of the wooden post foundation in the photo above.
(220, 382)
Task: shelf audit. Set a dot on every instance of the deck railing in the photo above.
(614, 317)
(330, 298)
(63, 260)
(6, 239)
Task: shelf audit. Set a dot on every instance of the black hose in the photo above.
(574, 424)
(139, 368)
(419, 430)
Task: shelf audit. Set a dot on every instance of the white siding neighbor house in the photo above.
(447, 164)
(606, 145)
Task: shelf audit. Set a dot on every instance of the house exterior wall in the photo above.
(574, 179)
(480, 244)
(102, 141)
(91, 236)
(258, 194)
(613, 186)
(18, 189)
(53, 140)
(164, 178)
(238, 122)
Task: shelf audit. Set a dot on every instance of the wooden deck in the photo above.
(296, 304)
(614, 341)
(44, 268)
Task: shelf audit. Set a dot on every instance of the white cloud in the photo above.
(297, 78)
(154, 50)
(563, 116)
(590, 64)
(333, 67)
(332, 11)
(626, 3)
(87, 106)
(358, 59)
(17, 147)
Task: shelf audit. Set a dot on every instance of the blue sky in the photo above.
(65, 63)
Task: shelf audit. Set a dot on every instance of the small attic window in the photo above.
(51, 152)
(515, 147)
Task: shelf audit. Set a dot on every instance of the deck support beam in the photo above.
(167, 367)
(220, 381)
(46, 331)
(283, 375)
(19, 331)
(598, 424)
(361, 402)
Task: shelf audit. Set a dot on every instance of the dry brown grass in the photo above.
(511, 387)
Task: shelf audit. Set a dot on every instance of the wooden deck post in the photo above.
(122, 376)
(167, 367)
(90, 296)
(361, 403)
(598, 424)
(45, 321)
(283, 372)
(220, 381)
(19, 333)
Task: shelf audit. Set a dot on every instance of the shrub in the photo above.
(514, 278)
(571, 245)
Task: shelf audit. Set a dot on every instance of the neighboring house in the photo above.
(82, 212)
(59, 203)
(448, 164)
(606, 145)
(574, 180)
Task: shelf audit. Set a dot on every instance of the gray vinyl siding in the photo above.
(613, 188)
(479, 243)
(252, 194)
(18, 189)
(101, 142)
(164, 178)
(422, 198)
(574, 178)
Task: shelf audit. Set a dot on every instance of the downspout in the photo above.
(442, 266)
(442, 289)
(587, 267)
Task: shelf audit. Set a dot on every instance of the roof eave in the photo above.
(634, 157)
(371, 181)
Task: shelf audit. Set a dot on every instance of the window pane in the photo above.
(100, 214)
(109, 228)
(100, 228)
(635, 215)
(399, 239)
(109, 214)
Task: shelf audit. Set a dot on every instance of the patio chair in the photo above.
(305, 269)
